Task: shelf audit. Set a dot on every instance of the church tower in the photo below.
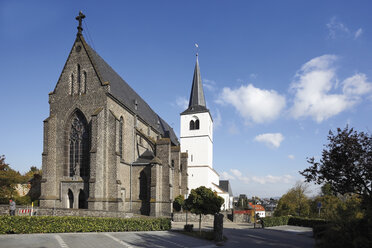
(197, 137)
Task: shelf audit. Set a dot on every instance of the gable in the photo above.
(84, 64)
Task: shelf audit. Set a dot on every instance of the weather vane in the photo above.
(197, 49)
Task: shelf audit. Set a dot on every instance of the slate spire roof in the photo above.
(197, 100)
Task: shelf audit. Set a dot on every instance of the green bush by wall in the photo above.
(290, 220)
(58, 224)
(274, 221)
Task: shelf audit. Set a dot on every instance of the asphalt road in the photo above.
(239, 235)
(99, 240)
(267, 238)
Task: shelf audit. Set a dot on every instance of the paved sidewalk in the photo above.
(209, 225)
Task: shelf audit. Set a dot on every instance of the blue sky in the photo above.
(278, 75)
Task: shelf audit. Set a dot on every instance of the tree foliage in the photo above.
(204, 201)
(10, 178)
(294, 202)
(178, 203)
(346, 167)
(346, 163)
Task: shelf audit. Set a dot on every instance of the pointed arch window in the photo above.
(121, 124)
(79, 79)
(72, 85)
(78, 146)
(85, 82)
(192, 125)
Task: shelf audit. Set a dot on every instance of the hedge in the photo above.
(58, 224)
(301, 221)
(274, 221)
(290, 220)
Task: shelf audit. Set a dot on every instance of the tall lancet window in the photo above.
(85, 82)
(72, 84)
(78, 146)
(121, 124)
(79, 79)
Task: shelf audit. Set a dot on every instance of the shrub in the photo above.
(274, 221)
(290, 220)
(58, 224)
(301, 221)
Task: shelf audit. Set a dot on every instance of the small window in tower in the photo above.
(197, 124)
(191, 158)
(192, 125)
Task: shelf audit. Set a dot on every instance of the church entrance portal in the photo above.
(70, 202)
(82, 200)
(144, 194)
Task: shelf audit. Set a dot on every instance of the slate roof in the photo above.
(225, 185)
(197, 100)
(145, 158)
(121, 91)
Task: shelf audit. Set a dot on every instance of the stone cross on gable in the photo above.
(80, 18)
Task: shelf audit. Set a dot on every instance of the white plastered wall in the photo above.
(198, 143)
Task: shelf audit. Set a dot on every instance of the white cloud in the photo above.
(237, 175)
(358, 33)
(290, 156)
(313, 86)
(336, 28)
(240, 176)
(356, 85)
(226, 176)
(253, 75)
(272, 179)
(209, 84)
(270, 139)
(254, 104)
(217, 119)
(182, 102)
(233, 129)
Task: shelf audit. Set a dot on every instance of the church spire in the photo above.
(197, 93)
(80, 18)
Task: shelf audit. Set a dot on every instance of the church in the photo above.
(104, 148)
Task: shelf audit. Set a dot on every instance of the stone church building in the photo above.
(104, 147)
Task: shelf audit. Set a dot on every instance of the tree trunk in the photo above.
(200, 224)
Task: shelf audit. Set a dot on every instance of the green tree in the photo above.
(242, 202)
(294, 202)
(345, 164)
(9, 178)
(203, 201)
(178, 203)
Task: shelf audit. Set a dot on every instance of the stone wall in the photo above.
(181, 217)
(242, 218)
(4, 210)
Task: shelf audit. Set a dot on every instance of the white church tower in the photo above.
(197, 138)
